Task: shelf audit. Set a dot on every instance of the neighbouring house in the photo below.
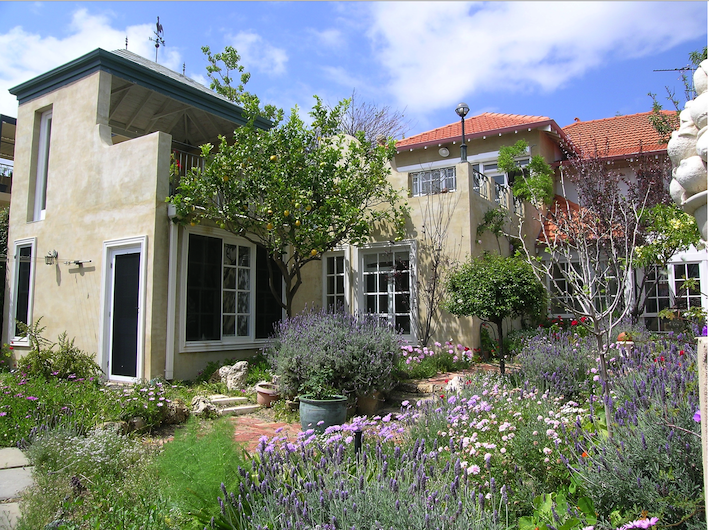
(8, 125)
(448, 198)
(92, 247)
(630, 145)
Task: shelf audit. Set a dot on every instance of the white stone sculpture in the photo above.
(687, 150)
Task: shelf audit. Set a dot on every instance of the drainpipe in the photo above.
(171, 293)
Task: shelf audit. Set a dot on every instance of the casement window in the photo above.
(562, 295)
(434, 181)
(227, 297)
(678, 287)
(387, 285)
(42, 171)
(23, 281)
(334, 274)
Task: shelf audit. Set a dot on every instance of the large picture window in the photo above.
(224, 278)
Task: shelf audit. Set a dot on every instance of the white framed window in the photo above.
(387, 280)
(430, 182)
(335, 277)
(678, 287)
(227, 298)
(41, 177)
(22, 295)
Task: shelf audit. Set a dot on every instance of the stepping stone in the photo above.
(238, 410)
(12, 457)
(9, 514)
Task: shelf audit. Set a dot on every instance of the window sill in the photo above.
(216, 346)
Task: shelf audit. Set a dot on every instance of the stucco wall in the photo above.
(96, 192)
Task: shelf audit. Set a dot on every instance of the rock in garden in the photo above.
(116, 427)
(455, 385)
(136, 424)
(202, 407)
(234, 376)
(176, 412)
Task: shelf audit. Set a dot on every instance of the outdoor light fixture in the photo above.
(462, 110)
(443, 151)
(51, 257)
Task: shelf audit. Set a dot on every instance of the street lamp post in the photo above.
(462, 110)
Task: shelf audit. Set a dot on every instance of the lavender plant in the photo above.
(320, 352)
(329, 487)
(653, 461)
(416, 362)
(561, 362)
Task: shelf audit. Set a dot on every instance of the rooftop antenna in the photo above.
(158, 40)
(183, 68)
(126, 42)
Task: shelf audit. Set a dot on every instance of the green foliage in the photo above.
(299, 187)
(492, 288)
(202, 456)
(535, 182)
(66, 360)
(553, 510)
(493, 221)
(669, 231)
(259, 370)
(322, 353)
(6, 361)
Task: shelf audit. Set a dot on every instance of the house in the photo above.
(629, 144)
(92, 249)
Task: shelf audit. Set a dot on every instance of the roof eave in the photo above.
(102, 60)
(498, 132)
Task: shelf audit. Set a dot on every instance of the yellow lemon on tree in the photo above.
(269, 226)
(308, 208)
(286, 213)
(313, 252)
(274, 158)
(297, 223)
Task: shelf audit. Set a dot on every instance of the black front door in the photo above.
(124, 338)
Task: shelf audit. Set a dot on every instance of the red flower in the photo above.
(662, 359)
(584, 319)
(681, 352)
(443, 396)
(446, 380)
(574, 322)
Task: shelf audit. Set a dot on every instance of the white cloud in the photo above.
(438, 53)
(329, 38)
(257, 54)
(27, 55)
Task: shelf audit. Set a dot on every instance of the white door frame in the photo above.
(111, 249)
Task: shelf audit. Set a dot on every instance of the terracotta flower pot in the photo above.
(266, 394)
(369, 404)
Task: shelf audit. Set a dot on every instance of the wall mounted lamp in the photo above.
(51, 257)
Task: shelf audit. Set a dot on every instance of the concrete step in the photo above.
(239, 410)
(222, 401)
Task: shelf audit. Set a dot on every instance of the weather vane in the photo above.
(158, 40)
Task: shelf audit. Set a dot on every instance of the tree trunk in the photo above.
(500, 347)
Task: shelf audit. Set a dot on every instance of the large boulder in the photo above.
(176, 412)
(234, 377)
(203, 407)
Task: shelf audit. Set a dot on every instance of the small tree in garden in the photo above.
(297, 190)
(533, 183)
(493, 288)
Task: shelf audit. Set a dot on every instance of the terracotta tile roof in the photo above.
(560, 207)
(616, 137)
(484, 124)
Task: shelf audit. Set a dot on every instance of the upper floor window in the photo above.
(41, 177)
(434, 181)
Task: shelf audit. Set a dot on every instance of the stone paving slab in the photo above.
(12, 457)
(13, 481)
(9, 514)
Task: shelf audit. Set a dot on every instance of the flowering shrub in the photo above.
(563, 362)
(655, 440)
(419, 363)
(319, 352)
(148, 402)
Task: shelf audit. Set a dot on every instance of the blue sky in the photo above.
(563, 60)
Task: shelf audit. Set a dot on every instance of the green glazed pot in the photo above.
(319, 414)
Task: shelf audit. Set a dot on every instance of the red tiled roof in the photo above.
(560, 207)
(483, 124)
(616, 137)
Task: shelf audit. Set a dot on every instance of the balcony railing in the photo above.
(481, 183)
(181, 163)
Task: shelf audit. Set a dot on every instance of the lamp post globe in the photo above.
(462, 110)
